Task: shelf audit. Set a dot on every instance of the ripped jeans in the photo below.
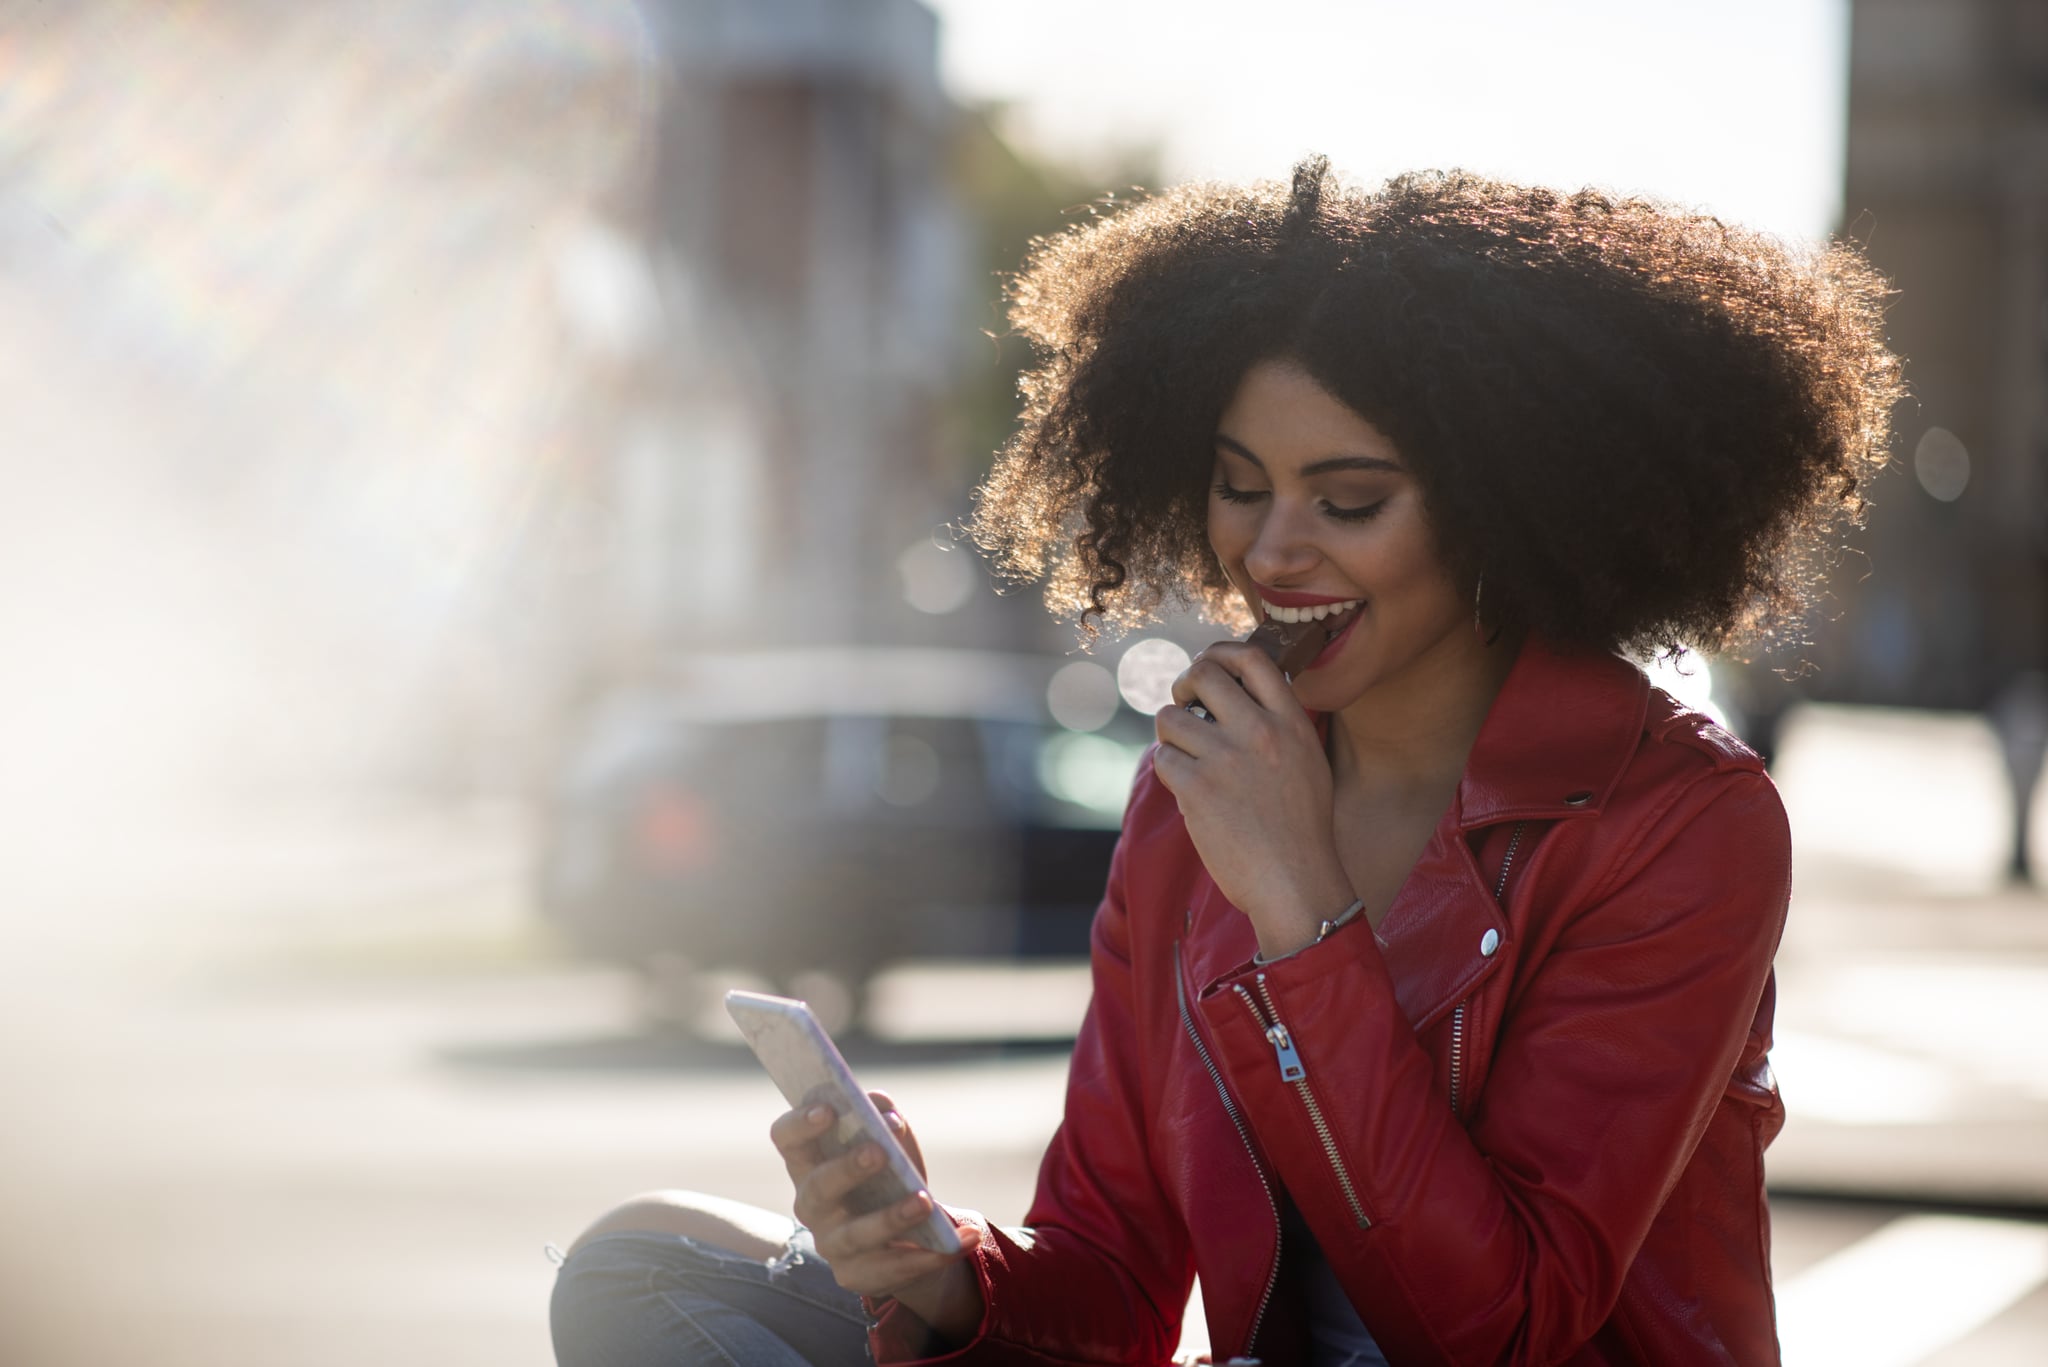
(662, 1300)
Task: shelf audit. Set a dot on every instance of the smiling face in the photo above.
(1311, 509)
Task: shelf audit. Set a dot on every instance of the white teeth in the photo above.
(1314, 614)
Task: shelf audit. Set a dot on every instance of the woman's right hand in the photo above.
(871, 1253)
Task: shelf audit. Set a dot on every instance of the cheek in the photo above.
(1229, 537)
(1219, 528)
(1404, 571)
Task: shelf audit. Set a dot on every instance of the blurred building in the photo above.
(770, 441)
(1947, 190)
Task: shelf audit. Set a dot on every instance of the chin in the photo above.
(1324, 690)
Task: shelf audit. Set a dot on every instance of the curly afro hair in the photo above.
(1642, 426)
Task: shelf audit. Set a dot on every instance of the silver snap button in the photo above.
(1578, 799)
(1489, 942)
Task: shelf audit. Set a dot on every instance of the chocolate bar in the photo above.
(1292, 645)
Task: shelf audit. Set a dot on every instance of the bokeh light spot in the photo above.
(1082, 696)
(1088, 771)
(1146, 673)
(1942, 464)
(936, 580)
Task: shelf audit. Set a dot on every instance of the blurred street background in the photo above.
(477, 482)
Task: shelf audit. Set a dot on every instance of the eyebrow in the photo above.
(1319, 467)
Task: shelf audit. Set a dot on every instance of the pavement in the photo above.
(1912, 1047)
(313, 1090)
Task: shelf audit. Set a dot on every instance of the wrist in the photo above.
(948, 1302)
(1293, 918)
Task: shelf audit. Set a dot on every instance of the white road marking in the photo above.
(1918, 1284)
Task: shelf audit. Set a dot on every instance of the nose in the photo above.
(1284, 552)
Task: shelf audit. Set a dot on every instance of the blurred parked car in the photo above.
(802, 811)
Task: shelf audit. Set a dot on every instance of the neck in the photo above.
(1411, 734)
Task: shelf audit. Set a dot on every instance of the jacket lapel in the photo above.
(1553, 745)
(1556, 739)
(1434, 938)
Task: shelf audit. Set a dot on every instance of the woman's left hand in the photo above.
(1254, 788)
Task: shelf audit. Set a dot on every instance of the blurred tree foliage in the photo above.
(1010, 196)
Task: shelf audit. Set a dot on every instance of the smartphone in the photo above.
(806, 1066)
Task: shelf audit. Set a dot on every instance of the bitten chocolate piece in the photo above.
(1292, 645)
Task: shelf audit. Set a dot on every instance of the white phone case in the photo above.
(807, 1068)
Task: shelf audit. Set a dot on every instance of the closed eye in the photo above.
(1230, 493)
(1353, 514)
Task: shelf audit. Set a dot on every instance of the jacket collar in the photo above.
(1556, 739)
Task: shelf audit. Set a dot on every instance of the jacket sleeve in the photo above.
(1101, 1271)
(1507, 1242)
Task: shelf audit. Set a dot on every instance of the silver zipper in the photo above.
(1458, 1012)
(1180, 992)
(1457, 1048)
(1500, 885)
(1293, 1070)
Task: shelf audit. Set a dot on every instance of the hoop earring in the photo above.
(1486, 638)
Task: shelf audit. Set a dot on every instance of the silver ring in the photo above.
(1200, 711)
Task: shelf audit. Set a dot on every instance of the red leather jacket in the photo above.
(1525, 1121)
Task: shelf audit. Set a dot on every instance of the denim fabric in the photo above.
(1337, 1336)
(661, 1300)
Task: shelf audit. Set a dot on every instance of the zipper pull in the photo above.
(1283, 1049)
(1291, 1069)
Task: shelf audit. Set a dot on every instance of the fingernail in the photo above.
(818, 1115)
(913, 1206)
(895, 1121)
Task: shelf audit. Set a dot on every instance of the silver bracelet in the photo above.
(1342, 918)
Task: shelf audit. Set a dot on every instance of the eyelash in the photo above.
(1233, 495)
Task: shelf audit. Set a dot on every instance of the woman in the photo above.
(1432, 985)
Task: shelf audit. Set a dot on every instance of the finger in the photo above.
(1173, 768)
(970, 1238)
(875, 1231)
(1255, 674)
(1183, 730)
(824, 1189)
(795, 1135)
(968, 1235)
(1188, 685)
(1213, 685)
(900, 1127)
